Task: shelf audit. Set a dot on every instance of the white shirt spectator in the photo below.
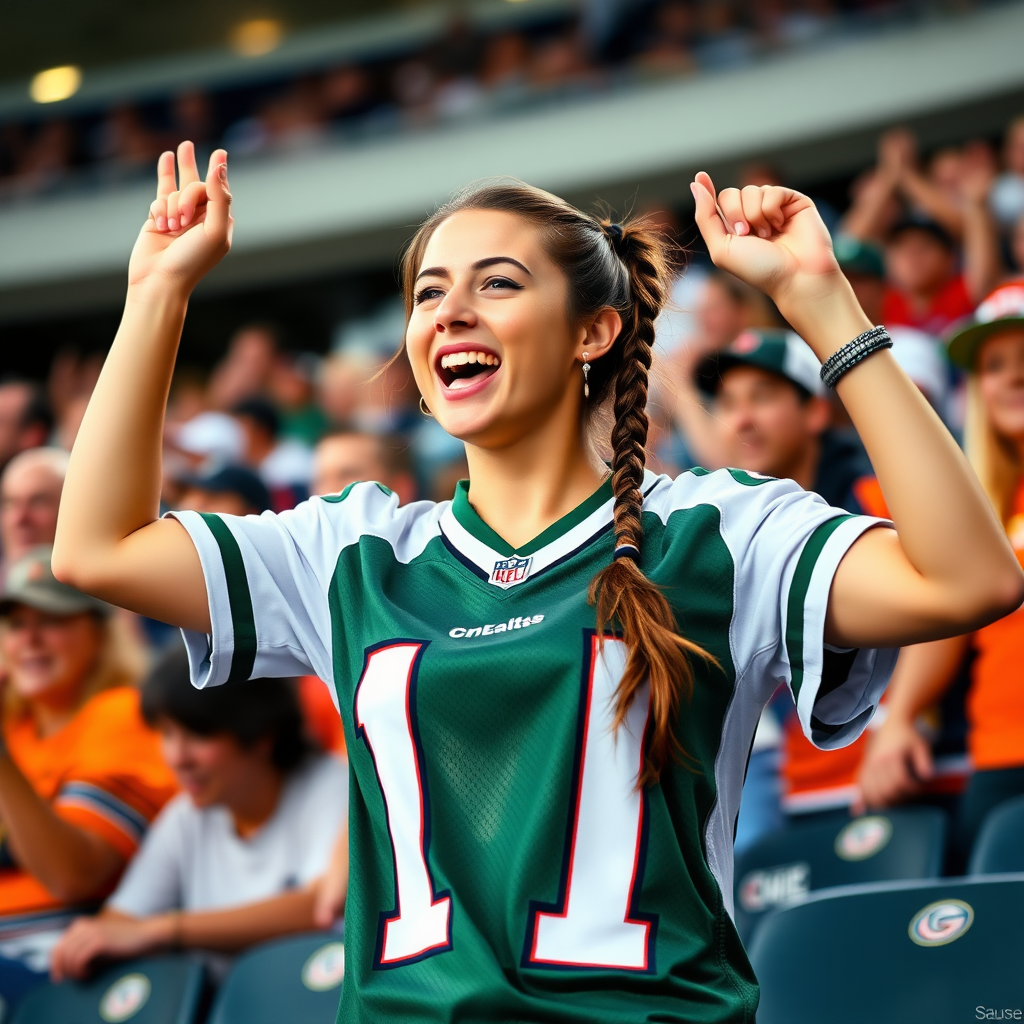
(193, 858)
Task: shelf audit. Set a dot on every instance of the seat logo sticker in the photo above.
(125, 998)
(769, 887)
(507, 572)
(941, 922)
(863, 838)
(325, 969)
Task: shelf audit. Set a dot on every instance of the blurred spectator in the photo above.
(292, 388)
(80, 773)
(245, 370)
(192, 118)
(560, 61)
(723, 43)
(234, 490)
(203, 443)
(506, 58)
(991, 348)
(48, 158)
(125, 142)
(344, 457)
(284, 465)
(1007, 197)
(234, 858)
(668, 49)
(347, 93)
(25, 417)
(30, 487)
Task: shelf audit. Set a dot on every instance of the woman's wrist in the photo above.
(164, 930)
(158, 291)
(825, 313)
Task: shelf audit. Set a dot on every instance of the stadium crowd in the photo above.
(140, 814)
(465, 69)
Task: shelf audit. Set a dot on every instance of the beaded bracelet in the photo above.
(853, 352)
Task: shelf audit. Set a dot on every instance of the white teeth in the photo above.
(462, 358)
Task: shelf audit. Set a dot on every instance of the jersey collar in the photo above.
(475, 544)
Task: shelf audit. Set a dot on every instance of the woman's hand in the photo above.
(189, 227)
(110, 935)
(771, 237)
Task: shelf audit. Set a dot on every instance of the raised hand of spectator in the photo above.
(979, 173)
(897, 154)
(897, 764)
(111, 935)
(189, 227)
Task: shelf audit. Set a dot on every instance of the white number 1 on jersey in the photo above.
(594, 922)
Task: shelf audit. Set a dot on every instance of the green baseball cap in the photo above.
(30, 581)
(1002, 308)
(782, 352)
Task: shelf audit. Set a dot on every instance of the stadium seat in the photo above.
(1000, 843)
(161, 990)
(297, 980)
(895, 953)
(901, 844)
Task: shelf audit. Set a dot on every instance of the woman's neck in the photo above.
(521, 489)
(254, 805)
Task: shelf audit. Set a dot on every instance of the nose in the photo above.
(454, 313)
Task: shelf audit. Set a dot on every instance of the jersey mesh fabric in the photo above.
(498, 709)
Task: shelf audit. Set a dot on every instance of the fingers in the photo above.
(158, 213)
(218, 197)
(190, 199)
(172, 211)
(188, 171)
(165, 180)
(706, 215)
(730, 203)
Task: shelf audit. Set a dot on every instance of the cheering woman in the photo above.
(549, 684)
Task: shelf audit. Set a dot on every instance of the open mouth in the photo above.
(459, 370)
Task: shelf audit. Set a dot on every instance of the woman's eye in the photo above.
(426, 294)
(495, 283)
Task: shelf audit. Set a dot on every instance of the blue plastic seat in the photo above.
(160, 990)
(900, 953)
(1000, 843)
(900, 844)
(289, 981)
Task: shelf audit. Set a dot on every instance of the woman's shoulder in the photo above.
(319, 779)
(728, 489)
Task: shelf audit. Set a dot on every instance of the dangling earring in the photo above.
(586, 375)
(424, 409)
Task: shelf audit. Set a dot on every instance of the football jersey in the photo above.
(504, 864)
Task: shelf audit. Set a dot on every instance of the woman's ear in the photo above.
(600, 335)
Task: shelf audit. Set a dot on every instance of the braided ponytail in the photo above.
(622, 593)
(625, 267)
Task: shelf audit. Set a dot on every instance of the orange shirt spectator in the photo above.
(102, 772)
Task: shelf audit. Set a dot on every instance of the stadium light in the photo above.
(55, 84)
(256, 37)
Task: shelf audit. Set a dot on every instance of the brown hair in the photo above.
(626, 267)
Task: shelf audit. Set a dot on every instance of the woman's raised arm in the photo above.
(110, 541)
(948, 568)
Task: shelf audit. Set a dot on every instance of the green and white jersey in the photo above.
(504, 867)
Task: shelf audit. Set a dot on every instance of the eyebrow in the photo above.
(490, 261)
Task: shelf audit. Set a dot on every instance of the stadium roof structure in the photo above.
(814, 113)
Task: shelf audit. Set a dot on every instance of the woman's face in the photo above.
(49, 656)
(211, 769)
(489, 338)
(1000, 369)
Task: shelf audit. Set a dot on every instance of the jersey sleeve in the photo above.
(267, 581)
(786, 545)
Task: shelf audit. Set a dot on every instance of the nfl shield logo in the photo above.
(507, 572)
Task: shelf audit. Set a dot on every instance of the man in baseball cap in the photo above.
(1001, 309)
(30, 582)
(773, 417)
(234, 490)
